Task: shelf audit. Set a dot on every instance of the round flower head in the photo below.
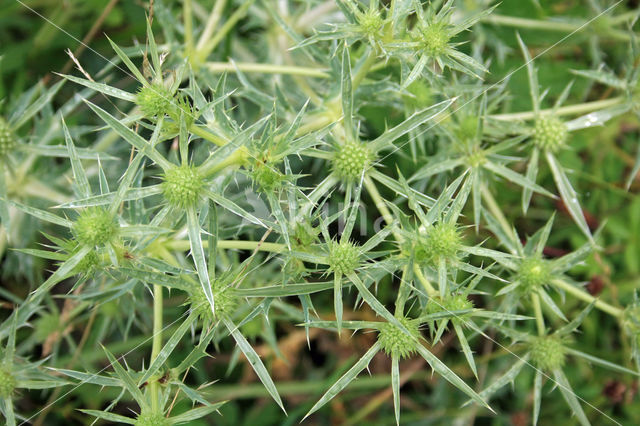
(267, 177)
(550, 134)
(351, 160)
(533, 273)
(344, 257)
(182, 186)
(7, 140)
(225, 301)
(441, 241)
(435, 39)
(95, 227)
(152, 419)
(154, 100)
(547, 353)
(7, 382)
(395, 342)
(371, 23)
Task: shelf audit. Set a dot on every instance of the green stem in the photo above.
(424, 281)
(380, 205)
(220, 67)
(157, 343)
(566, 110)
(535, 299)
(492, 204)
(586, 297)
(183, 245)
(364, 69)
(202, 54)
(512, 21)
(207, 135)
(187, 16)
(212, 23)
(548, 25)
(236, 158)
(322, 120)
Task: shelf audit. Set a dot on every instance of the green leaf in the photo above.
(444, 371)
(102, 88)
(386, 140)
(196, 413)
(130, 136)
(125, 59)
(285, 290)
(126, 379)
(254, 361)
(346, 378)
(35, 107)
(395, 386)
(537, 396)
(568, 195)
(466, 349)
(79, 175)
(533, 76)
(570, 397)
(197, 253)
(41, 214)
(168, 348)
(601, 362)
(346, 94)
(110, 417)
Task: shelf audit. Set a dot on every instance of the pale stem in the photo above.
(212, 23)
(431, 292)
(207, 135)
(535, 299)
(187, 16)
(208, 47)
(183, 245)
(157, 342)
(380, 204)
(364, 69)
(492, 204)
(586, 297)
(220, 67)
(566, 110)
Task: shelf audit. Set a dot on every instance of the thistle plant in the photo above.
(199, 216)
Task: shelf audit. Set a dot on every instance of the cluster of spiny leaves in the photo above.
(249, 197)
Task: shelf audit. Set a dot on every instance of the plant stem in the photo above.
(512, 21)
(212, 23)
(492, 204)
(549, 25)
(566, 110)
(364, 69)
(535, 299)
(322, 120)
(220, 67)
(207, 135)
(237, 158)
(586, 297)
(424, 281)
(182, 245)
(187, 16)
(380, 205)
(156, 346)
(202, 53)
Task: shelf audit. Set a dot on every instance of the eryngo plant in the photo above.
(242, 204)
